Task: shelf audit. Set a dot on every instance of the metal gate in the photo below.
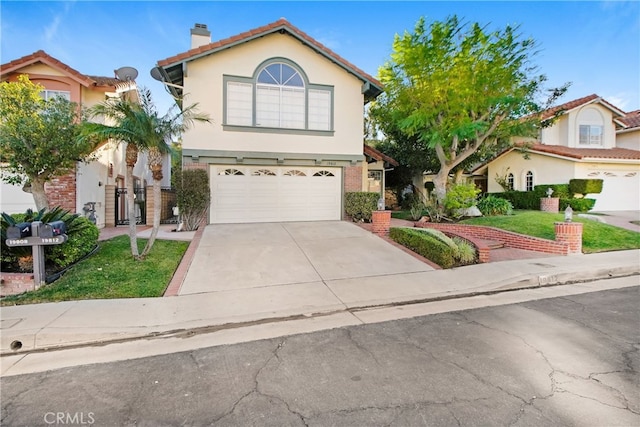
(122, 210)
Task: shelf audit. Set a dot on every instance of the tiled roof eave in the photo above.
(278, 26)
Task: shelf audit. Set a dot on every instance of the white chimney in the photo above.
(200, 35)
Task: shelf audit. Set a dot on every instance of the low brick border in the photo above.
(15, 283)
(181, 272)
(510, 239)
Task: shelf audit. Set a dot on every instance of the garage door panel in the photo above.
(274, 194)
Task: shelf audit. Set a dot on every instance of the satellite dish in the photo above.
(155, 73)
(126, 73)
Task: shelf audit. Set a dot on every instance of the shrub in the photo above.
(82, 238)
(460, 197)
(443, 238)
(360, 204)
(425, 245)
(585, 186)
(559, 190)
(467, 253)
(193, 197)
(491, 205)
(578, 205)
(435, 210)
(528, 200)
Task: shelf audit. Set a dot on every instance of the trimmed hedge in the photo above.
(578, 205)
(527, 200)
(585, 186)
(425, 245)
(360, 204)
(559, 190)
(491, 205)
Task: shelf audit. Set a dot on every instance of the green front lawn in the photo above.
(112, 273)
(596, 236)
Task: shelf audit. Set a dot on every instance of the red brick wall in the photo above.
(61, 191)
(512, 240)
(16, 283)
(352, 178)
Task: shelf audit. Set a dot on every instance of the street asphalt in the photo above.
(572, 360)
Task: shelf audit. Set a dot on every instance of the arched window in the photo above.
(510, 181)
(323, 173)
(278, 96)
(263, 172)
(231, 172)
(294, 172)
(529, 181)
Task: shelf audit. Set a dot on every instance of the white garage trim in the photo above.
(274, 193)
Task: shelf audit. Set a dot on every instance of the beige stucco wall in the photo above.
(566, 130)
(630, 140)
(40, 68)
(546, 170)
(204, 85)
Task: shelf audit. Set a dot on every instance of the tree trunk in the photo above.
(39, 195)
(440, 183)
(155, 165)
(131, 159)
(157, 211)
(458, 177)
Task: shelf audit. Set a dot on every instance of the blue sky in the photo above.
(593, 44)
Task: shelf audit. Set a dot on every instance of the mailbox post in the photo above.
(38, 236)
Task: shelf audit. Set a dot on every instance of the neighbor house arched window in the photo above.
(528, 181)
(510, 181)
(278, 96)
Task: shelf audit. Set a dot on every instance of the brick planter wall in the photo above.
(15, 283)
(571, 234)
(550, 204)
(512, 240)
(381, 221)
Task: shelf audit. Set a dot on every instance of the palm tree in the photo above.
(138, 124)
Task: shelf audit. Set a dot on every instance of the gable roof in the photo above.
(378, 155)
(572, 154)
(172, 67)
(630, 121)
(572, 105)
(41, 56)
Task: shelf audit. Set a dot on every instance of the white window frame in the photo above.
(311, 108)
(592, 138)
(529, 183)
(47, 94)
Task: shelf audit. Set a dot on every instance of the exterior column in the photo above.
(381, 221)
(571, 233)
(110, 205)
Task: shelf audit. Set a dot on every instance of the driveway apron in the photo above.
(234, 257)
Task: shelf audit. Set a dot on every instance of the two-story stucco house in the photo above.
(99, 183)
(288, 113)
(590, 139)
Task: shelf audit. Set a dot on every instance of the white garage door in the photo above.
(620, 192)
(274, 194)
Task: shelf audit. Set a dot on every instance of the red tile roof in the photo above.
(378, 155)
(587, 153)
(281, 24)
(631, 120)
(567, 106)
(45, 58)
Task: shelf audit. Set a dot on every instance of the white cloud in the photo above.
(51, 30)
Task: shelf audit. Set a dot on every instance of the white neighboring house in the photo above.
(287, 139)
(93, 182)
(590, 139)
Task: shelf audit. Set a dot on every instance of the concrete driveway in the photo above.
(244, 256)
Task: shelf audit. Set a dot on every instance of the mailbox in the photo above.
(52, 229)
(19, 231)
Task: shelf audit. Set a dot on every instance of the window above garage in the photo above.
(277, 98)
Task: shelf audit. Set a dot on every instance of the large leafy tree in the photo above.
(39, 139)
(138, 123)
(454, 91)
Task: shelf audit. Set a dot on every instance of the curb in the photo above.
(21, 347)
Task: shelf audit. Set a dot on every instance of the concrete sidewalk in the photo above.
(41, 327)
